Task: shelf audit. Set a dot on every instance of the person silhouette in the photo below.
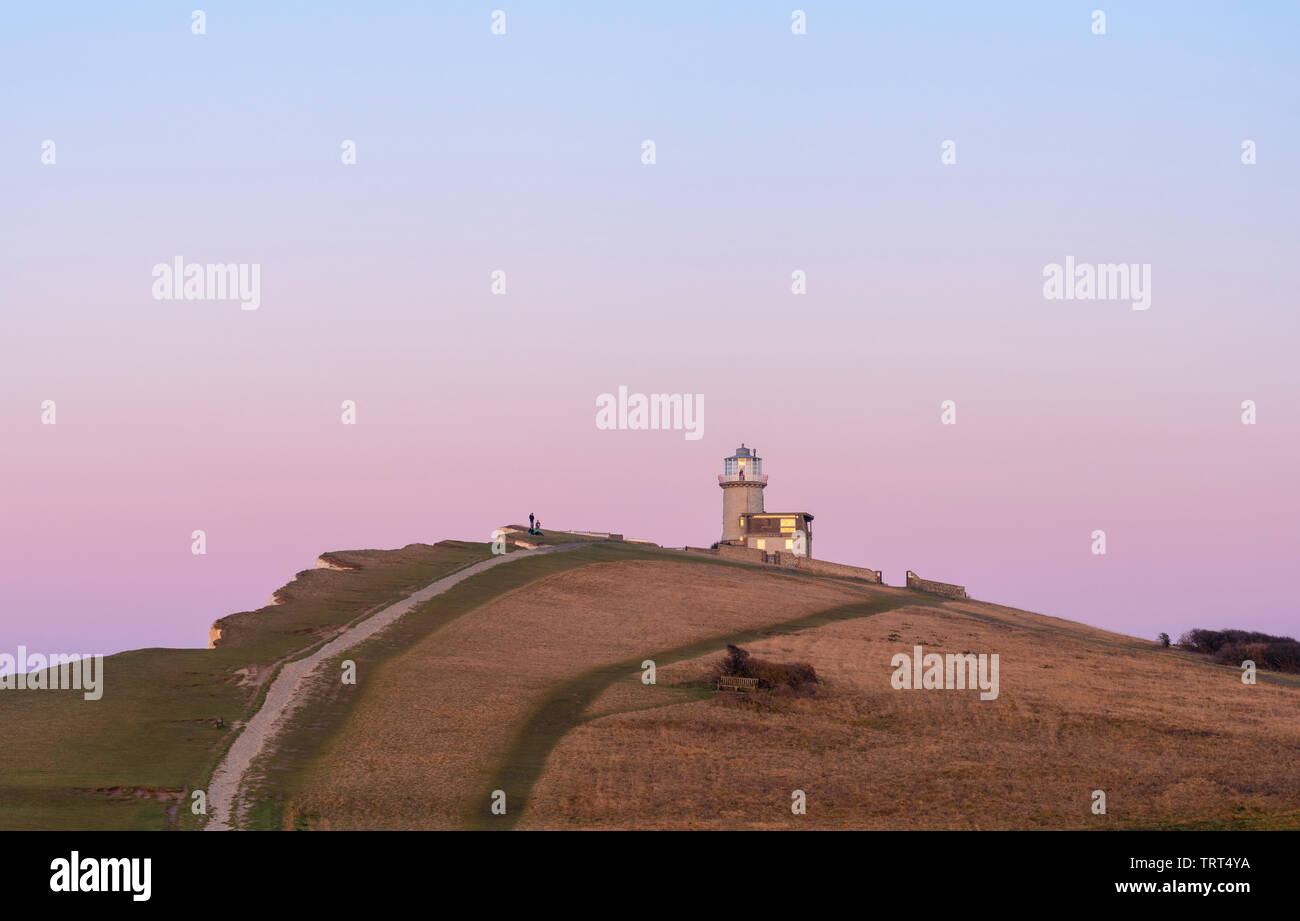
(530, 522)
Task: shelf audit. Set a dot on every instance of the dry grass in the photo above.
(435, 722)
(1173, 742)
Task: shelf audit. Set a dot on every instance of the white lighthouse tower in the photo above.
(742, 481)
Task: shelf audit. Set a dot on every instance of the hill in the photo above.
(524, 675)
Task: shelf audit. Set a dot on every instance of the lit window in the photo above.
(787, 524)
(789, 545)
(762, 544)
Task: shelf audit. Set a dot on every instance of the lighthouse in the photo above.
(746, 524)
(742, 481)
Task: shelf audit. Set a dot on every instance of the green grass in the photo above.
(152, 729)
(550, 538)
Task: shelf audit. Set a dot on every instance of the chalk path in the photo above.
(283, 697)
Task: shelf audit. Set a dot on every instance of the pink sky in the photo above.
(523, 154)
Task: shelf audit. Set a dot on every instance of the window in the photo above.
(789, 544)
(787, 524)
(762, 544)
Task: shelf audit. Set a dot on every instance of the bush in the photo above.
(738, 663)
(735, 664)
(1232, 647)
(1164, 640)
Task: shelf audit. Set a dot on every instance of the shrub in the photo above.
(1232, 647)
(1164, 640)
(738, 663)
(735, 664)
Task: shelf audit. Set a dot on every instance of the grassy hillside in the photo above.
(128, 759)
(1172, 741)
(436, 726)
(537, 692)
(526, 678)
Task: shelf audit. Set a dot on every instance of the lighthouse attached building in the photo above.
(745, 523)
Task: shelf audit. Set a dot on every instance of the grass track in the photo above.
(563, 710)
(327, 705)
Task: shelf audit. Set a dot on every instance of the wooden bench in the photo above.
(728, 683)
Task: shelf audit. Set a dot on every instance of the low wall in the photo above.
(749, 554)
(825, 568)
(936, 588)
(787, 560)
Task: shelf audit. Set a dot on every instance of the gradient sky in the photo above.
(522, 153)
